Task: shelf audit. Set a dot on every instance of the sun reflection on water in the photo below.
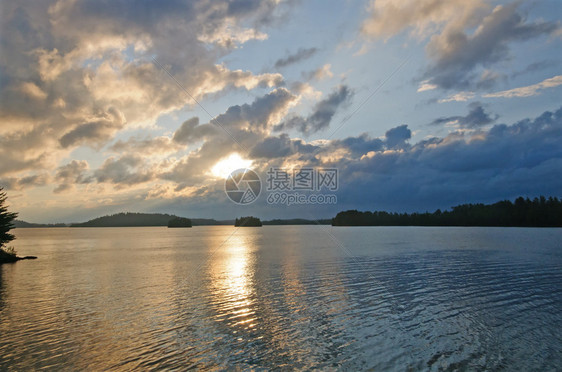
(231, 273)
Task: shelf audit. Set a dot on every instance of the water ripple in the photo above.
(277, 299)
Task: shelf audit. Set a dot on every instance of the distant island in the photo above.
(249, 221)
(179, 222)
(128, 219)
(523, 212)
(144, 219)
(539, 212)
(20, 223)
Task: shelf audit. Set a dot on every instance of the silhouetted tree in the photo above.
(6, 220)
(179, 222)
(249, 221)
(540, 211)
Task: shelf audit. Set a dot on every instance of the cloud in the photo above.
(123, 171)
(238, 129)
(388, 18)
(72, 174)
(320, 73)
(475, 118)
(505, 161)
(536, 66)
(458, 97)
(425, 86)
(396, 137)
(531, 90)
(456, 54)
(300, 55)
(322, 114)
(33, 180)
(147, 146)
(97, 131)
(358, 146)
(26, 150)
(77, 73)
(281, 146)
(190, 131)
(229, 35)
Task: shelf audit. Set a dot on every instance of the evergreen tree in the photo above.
(6, 220)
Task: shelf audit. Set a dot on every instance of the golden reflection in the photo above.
(231, 272)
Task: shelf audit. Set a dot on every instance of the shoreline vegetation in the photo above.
(179, 222)
(8, 254)
(249, 221)
(129, 219)
(539, 212)
(523, 212)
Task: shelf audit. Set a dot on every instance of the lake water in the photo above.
(304, 297)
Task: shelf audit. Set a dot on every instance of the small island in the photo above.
(249, 221)
(179, 222)
(130, 219)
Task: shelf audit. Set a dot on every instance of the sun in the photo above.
(225, 166)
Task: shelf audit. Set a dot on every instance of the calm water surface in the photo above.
(304, 297)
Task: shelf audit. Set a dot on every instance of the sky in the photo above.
(115, 106)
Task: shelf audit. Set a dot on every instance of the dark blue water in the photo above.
(304, 297)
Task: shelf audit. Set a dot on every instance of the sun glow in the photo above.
(231, 163)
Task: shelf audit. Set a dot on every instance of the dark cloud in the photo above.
(536, 66)
(507, 161)
(300, 55)
(190, 131)
(396, 137)
(359, 146)
(94, 132)
(475, 118)
(281, 146)
(258, 114)
(322, 114)
(33, 180)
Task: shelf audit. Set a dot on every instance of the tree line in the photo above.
(524, 212)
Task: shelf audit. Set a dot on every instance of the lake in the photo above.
(303, 297)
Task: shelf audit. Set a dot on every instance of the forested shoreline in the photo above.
(524, 212)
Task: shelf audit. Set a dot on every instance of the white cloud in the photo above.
(229, 35)
(530, 90)
(458, 97)
(425, 86)
(464, 37)
(422, 17)
(33, 91)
